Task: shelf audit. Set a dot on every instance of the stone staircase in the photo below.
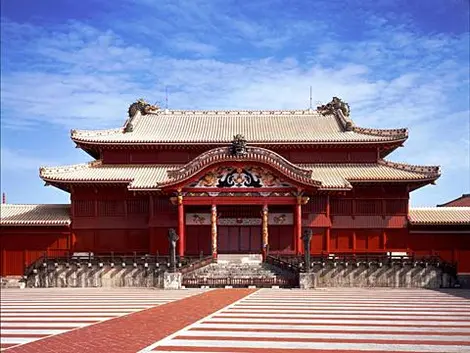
(239, 269)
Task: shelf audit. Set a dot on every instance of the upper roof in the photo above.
(462, 201)
(330, 176)
(439, 216)
(34, 215)
(327, 124)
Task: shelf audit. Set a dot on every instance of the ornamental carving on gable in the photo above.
(240, 177)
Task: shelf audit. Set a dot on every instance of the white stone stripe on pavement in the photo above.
(339, 316)
(338, 336)
(17, 340)
(463, 305)
(38, 310)
(31, 332)
(58, 314)
(56, 319)
(280, 326)
(290, 345)
(357, 312)
(42, 324)
(410, 307)
(314, 320)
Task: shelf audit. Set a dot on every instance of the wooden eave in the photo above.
(94, 149)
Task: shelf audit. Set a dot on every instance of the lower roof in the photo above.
(59, 215)
(462, 201)
(338, 176)
(439, 216)
(35, 215)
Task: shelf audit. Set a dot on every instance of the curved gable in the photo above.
(198, 173)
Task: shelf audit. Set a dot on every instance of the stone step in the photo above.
(240, 258)
(240, 270)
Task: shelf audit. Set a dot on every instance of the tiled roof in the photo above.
(440, 216)
(34, 215)
(462, 201)
(281, 126)
(331, 176)
(338, 175)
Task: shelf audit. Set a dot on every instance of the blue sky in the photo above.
(79, 64)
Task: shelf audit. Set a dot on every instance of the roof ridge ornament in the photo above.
(335, 104)
(140, 106)
(238, 147)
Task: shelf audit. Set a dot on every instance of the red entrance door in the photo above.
(237, 239)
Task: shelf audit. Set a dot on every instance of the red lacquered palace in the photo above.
(236, 182)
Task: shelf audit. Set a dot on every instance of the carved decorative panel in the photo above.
(280, 219)
(273, 219)
(242, 177)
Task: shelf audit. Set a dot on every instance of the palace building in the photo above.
(236, 182)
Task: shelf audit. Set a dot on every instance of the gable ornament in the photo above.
(238, 147)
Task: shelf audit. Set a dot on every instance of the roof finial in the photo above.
(166, 98)
(310, 106)
(4, 198)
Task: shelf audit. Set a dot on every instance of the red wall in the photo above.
(451, 246)
(306, 155)
(20, 246)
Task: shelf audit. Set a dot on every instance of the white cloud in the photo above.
(78, 76)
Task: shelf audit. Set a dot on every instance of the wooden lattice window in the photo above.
(137, 206)
(84, 208)
(317, 204)
(110, 208)
(396, 206)
(341, 207)
(368, 207)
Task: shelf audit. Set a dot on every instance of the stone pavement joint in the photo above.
(136, 331)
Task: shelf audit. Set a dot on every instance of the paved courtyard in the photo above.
(31, 314)
(236, 320)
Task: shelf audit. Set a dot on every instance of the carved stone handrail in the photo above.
(253, 154)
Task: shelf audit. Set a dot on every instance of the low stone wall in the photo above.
(95, 276)
(373, 275)
(12, 282)
(464, 280)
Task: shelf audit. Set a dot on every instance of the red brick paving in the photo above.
(136, 331)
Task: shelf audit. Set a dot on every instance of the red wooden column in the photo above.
(327, 233)
(354, 241)
(181, 243)
(298, 225)
(384, 239)
(214, 231)
(264, 232)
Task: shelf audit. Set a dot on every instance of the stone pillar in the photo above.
(214, 231)
(181, 244)
(264, 230)
(298, 225)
